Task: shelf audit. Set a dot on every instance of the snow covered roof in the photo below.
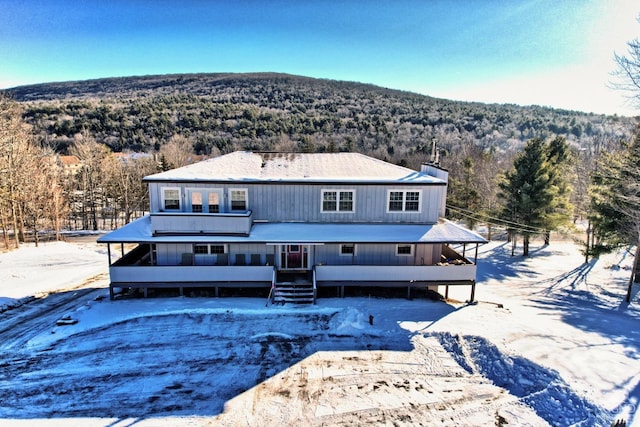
(295, 167)
(140, 231)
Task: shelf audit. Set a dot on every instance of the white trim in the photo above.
(355, 249)
(411, 246)
(246, 199)
(338, 191)
(162, 193)
(404, 200)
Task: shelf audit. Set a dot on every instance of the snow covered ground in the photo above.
(550, 342)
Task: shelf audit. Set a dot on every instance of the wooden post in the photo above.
(473, 292)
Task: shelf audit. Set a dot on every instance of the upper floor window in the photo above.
(404, 201)
(338, 200)
(214, 203)
(196, 202)
(238, 197)
(171, 198)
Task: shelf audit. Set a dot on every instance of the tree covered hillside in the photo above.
(173, 117)
(219, 113)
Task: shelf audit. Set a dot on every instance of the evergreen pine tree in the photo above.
(535, 191)
(615, 204)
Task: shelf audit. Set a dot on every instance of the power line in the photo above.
(500, 222)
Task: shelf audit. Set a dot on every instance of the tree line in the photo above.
(509, 166)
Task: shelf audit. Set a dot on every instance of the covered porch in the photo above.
(256, 259)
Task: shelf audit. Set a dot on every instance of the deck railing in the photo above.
(190, 274)
(395, 273)
(201, 223)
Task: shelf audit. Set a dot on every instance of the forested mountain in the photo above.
(219, 113)
(177, 116)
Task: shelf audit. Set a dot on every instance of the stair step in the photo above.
(294, 295)
(293, 292)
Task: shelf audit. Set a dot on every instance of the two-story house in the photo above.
(250, 219)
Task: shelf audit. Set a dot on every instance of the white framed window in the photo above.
(347, 249)
(201, 249)
(404, 250)
(209, 249)
(238, 199)
(196, 201)
(404, 201)
(338, 201)
(171, 198)
(214, 203)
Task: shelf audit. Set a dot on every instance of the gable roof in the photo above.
(247, 166)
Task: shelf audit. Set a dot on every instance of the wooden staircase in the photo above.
(294, 289)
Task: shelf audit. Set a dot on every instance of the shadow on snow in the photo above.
(538, 387)
(192, 362)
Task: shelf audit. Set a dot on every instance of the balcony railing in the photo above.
(201, 223)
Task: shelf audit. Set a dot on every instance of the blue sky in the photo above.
(545, 52)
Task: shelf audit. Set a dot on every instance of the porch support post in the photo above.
(473, 292)
(122, 249)
(409, 292)
(475, 258)
(464, 249)
(216, 288)
(446, 292)
(109, 253)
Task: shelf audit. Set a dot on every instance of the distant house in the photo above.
(70, 165)
(294, 222)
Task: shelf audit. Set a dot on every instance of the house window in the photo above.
(347, 249)
(238, 199)
(201, 249)
(404, 201)
(208, 249)
(196, 202)
(171, 197)
(337, 200)
(404, 250)
(214, 203)
(217, 249)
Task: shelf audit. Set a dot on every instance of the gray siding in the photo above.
(296, 202)
(171, 254)
(366, 254)
(375, 254)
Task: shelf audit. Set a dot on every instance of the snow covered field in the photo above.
(550, 342)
